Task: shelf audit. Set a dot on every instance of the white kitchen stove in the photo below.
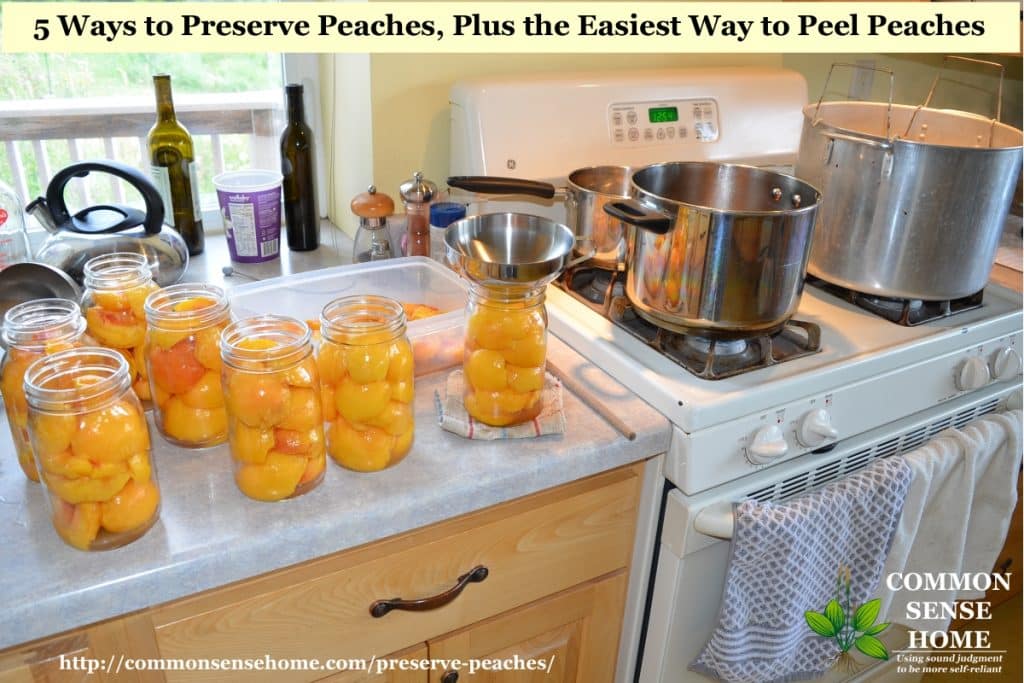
(869, 372)
(873, 389)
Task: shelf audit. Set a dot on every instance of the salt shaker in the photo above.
(373, 239)
(417, 194)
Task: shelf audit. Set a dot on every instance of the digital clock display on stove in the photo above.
(663, 114)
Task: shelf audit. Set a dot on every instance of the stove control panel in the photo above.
(734, 449)
(664, 122)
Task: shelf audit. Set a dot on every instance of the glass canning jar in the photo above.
(184, 363)
(114, 305)
(92, 446)
(366, 377)
(504, 354)
(272, 390)
(32, 330)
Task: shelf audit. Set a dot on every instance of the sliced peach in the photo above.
(402, 391)
(166, 339)
(396, 419)
(27, 462)
(105, 470)
(250, 444)
(196, 303)
(139, 356)
(303, 411)
(78, 524)
(111, 434)
(175, 370)
(140, 467)
(525, 379)
(360, 402)
(137, 298)
(111, 300)
(131, 507)
(206, 393)
(275, 479)
(327, 404)
(53, 432)
(512, 401)
(296, 442)
(400, 367)
(118, 329)
(331, 363)
(364, 451)
(141, 389)
(65, 464)
(403, 443)
(85, 489)
(314, 468)
(197, 426)
(208, 347)
(160, 396)
(483, 406)
(369, 363)
(527, 352)
(303, 375)
(485, 370)
(258, 400)
(484, 327)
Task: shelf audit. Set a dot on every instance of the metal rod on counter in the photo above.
(715, 520)
(592, 401)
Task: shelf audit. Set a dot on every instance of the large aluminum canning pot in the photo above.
(586, 192)
(914, 199)
(721, 248)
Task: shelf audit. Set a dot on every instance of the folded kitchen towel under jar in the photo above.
(785, 560)
(452, 415)
(962, 494)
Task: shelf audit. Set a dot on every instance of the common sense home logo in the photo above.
(848, 625)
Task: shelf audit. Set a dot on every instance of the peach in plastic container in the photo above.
(32, 330)
(505, 354)
(366, 379)
(184, 363)
(114, 305)
(275, 422)
(92, 447)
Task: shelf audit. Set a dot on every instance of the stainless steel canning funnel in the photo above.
(510, 249)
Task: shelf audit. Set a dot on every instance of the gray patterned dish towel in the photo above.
(784, 561)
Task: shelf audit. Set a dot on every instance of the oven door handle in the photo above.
(715, 520)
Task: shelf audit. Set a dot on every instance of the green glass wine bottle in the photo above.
(302, 220)
(172, 164)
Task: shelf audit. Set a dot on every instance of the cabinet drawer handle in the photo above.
(474, 575)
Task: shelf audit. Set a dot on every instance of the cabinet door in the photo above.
(417, 653)
(569, 637)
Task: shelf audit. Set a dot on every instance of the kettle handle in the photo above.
(154, 214)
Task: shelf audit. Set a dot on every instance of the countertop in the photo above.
(210, 535)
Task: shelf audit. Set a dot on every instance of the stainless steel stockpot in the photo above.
(721, 249)
(915, 198)
(585, 194)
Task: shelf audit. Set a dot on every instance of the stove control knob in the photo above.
(1005, 363)
(815, 429)
(766, 445)
(972, 374)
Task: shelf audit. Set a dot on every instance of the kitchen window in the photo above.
(59, 108)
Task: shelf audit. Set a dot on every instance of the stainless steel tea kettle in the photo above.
(107, 228)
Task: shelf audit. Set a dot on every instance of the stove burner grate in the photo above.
(905, 312)
(714, 359)
(596, 287)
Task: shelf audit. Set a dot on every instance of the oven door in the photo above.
(690, 564)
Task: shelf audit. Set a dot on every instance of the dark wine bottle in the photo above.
(302, 220)
(173, 167)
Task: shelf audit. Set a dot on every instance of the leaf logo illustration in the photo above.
(847, 626)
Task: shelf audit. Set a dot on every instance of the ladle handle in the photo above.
(483, 184)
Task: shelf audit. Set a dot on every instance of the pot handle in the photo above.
(631, 212)
(496, 185)
(884, 146)
(880, 69)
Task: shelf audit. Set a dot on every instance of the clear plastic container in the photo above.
(92, 445)
(184, 363)
(14, 244)
(505, 354)
(275, 422)
(114, 305)
(366, 376)
(437, 339)
(31, 331)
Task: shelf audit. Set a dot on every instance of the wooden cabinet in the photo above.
(556, 570)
